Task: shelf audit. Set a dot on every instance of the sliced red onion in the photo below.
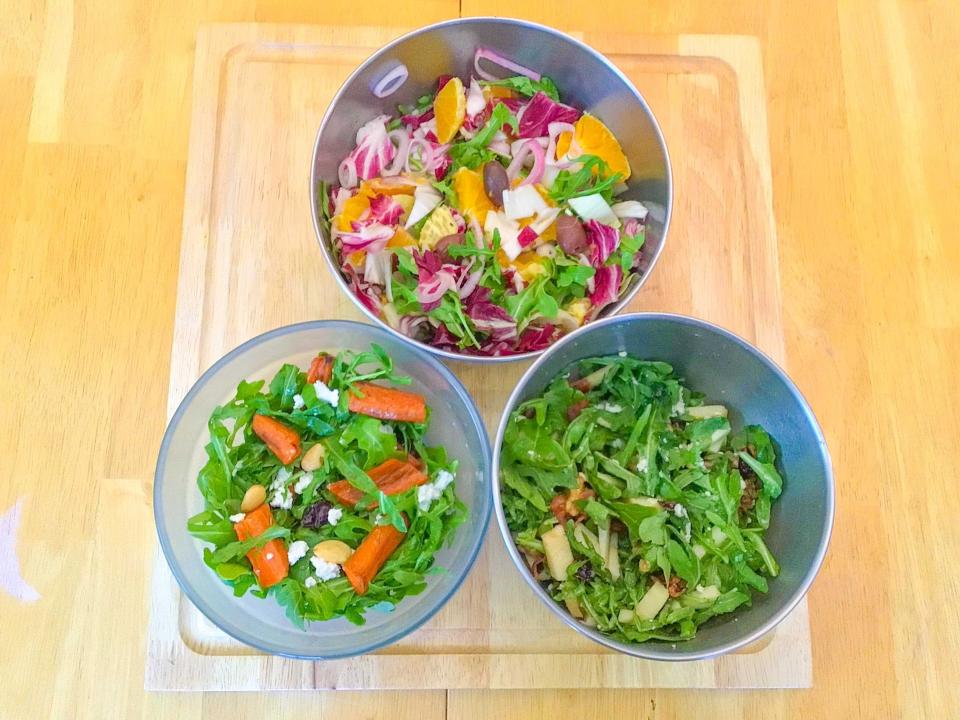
(409, 323)
(400, 138)
(520, 156)
(499, 60)
(470, 284)
(347, 173)
(477, 232)
(425, 157)
(554, 129)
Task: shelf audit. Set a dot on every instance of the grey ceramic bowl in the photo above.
(729, 371)
(455, 424)
(586, 79)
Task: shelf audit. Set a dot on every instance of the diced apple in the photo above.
(557, 549)
(645, 501)
(613, 556)
(650, 604)
(574, 607)
(702, 412)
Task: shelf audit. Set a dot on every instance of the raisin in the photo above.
(585, 572)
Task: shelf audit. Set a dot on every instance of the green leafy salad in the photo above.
(320, 491)
(635, 504)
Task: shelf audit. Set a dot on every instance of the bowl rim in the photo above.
(608, 311)
(206, 608)
(655, 651)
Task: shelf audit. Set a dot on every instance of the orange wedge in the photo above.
(449, 108)
(471, 198)
(401, 238)
(352, 210)
(595, 138)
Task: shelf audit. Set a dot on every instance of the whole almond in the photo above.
(253, 498)
(313, 458)
(333, 551)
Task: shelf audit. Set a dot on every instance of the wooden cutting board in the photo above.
(249, 262)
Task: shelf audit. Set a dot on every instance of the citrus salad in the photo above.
(320, 491)
(484, 218)
(635, 504)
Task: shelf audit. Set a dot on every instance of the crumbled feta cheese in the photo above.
(310, 581)
(616, 443)
(282, 498)
(378, 520)
(429, 492)
(679, 510)
(325, 394)
(679, 407)
(303, 483)
(444, 478)
(269, 556)
(324, 570)
(296, 551)
(718, 535)
(611, 407)
(642, 465)
(298, 402)
(743, 485)
(622, 353)
(334, 515)
(281, 478)
(699, 550)
(238, 517)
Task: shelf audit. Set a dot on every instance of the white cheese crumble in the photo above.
(743, 485)
(679, 407)
(303, 483)
(325, 394)
(310, 581)
(622, 353)
(679, 510)
(334, 515)
(298, 402)
(296, 551)
(429, 492)
(380, 519)
(642, 465)
(699, 550)
(324, 570)
(611, 407)
(238, 517)
(281, 497)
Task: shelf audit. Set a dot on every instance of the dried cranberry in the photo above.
(585, 572)
(576, 408)
(316, 515)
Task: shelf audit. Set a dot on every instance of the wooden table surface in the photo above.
(863, 113)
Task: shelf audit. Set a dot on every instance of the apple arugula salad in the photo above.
(320, 491)
(636, 505)
(484, 218)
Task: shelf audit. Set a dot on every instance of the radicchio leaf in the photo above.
(606, 286)
(369, 236)
(539, 112)
(536, 338)
(374, 150)
(603, 241)
(385, 210)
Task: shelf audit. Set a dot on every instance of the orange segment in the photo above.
(563, 143)
(379, 187)
(352, 210)
(401, 238)
(449, 108)
(595, 138)
(471, 198)
(528, 264)
(498, 91)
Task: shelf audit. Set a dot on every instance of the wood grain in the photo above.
(862, 110)
(259, 93)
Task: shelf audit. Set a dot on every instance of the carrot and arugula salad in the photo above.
(484, 219)
(635, 504)
(320, 491)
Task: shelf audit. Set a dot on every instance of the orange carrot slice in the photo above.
(361, 567)
(392, 477)
(320, 369)
(269, 561)
(387, 403)
(284, 442)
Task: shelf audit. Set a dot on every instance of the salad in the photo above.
(484, 218)
(320, 491)
(635, 504)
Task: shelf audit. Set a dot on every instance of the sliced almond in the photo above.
(253, 498)
(313, 458)
(333, 551)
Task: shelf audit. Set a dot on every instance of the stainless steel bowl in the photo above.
(586, 79)
(731, 371)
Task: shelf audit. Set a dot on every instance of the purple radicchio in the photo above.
(364, 291)
(434, 278)
(603, 241)
(374, 150)
(539, 112)
(536, 338)
(385, 210)
(606, 285)
(369, 236)
(490, 318)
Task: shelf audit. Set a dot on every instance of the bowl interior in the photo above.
(455, 424)
(728, 371)
(584, 77)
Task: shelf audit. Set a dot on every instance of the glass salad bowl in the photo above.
(729, 372)
(261, 623)
(407, 69)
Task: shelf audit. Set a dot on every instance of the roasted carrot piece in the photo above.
(284, 442)
(387, 403)
(269, 562)
(393, 477)
(361, 567)
(321, 369)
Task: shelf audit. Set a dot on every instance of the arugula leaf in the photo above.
(210, 527)
(474, 152)
(451, 313)
(239, 548)
(528, 87)
(592, 178)
(375, 439)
